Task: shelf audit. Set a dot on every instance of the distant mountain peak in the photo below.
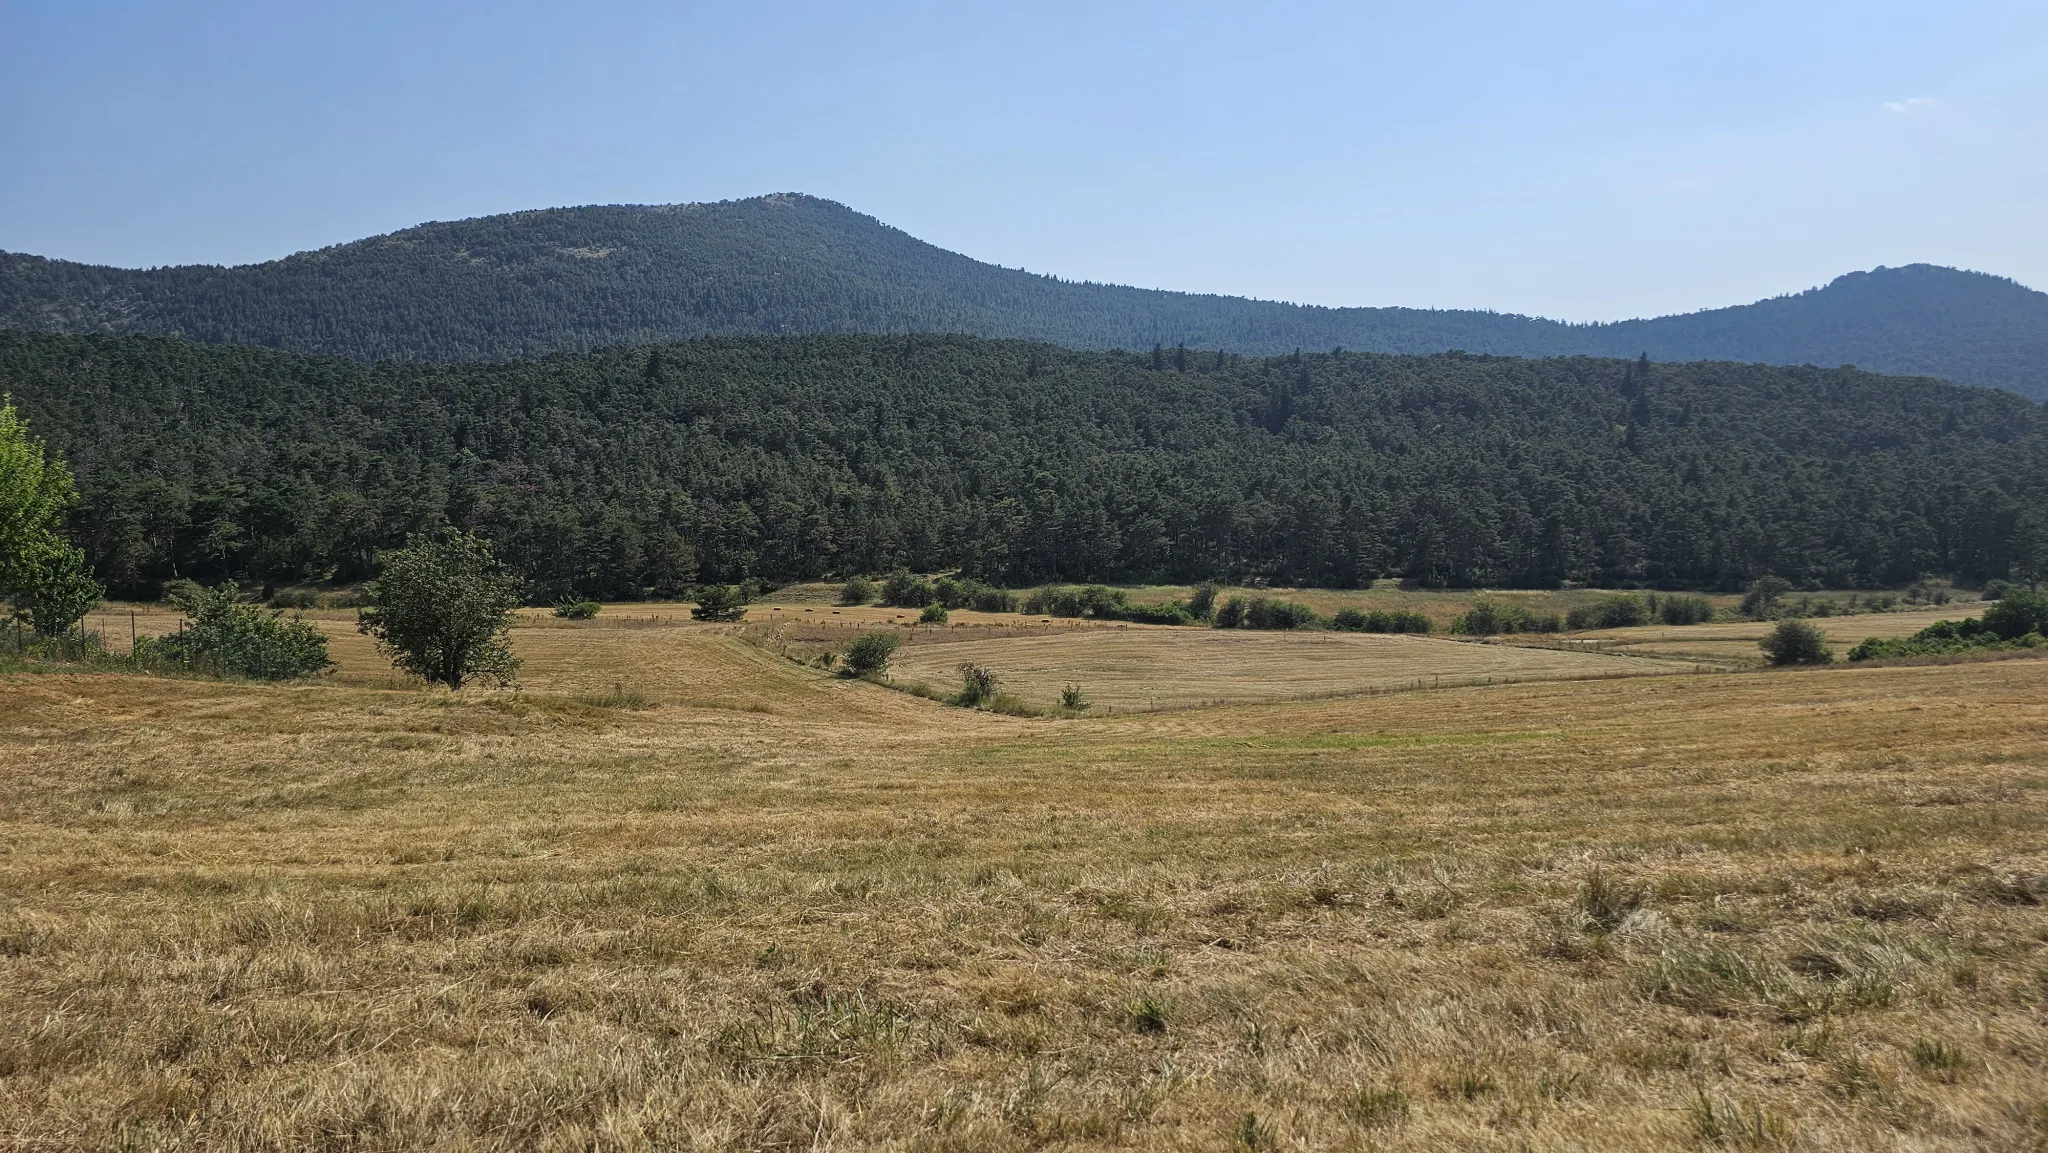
(543, 280)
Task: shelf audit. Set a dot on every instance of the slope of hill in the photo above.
(632, 471)
(571, 279)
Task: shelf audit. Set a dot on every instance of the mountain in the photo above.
(636, 470)
(532, 283)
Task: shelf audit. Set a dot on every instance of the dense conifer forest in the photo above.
(639, 471)
(573, 279)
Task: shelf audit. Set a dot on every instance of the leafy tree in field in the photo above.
(229, 636)
(56, 589)
(47, 578)
(720, 604)
(442, 608)
(1795, 642)
(858, 590)
(869, 653)
(1761, 601)
(2017, 613)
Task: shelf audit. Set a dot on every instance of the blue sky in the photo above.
(1579, 160)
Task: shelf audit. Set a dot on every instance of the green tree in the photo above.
(721, 604)
(869, 653)
(1795, 642)
(227, 635)
(442, 609)
(57, 590)
(44, 576)
(1761, 600)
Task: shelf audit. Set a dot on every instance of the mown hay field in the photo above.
(1124, 669)
(744, 905)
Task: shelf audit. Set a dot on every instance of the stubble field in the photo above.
(682, 893)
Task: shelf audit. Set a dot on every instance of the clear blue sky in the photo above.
(1580, 160)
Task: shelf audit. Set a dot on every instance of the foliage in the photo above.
(56, 588)
(2017, 613)
(720, 604)
(225, 635)
(47, 579)
(624, 472)
(1761, 601)
(1796, 642)
(1946, 638)
(1229, 614)
(1381, 621)
(858, 590)
(906, 590)
(869, 653)
(967, 593)
(1607, 613)
(1071, 698)
(1681, 610)
(1268, 613)
(933, 614)
(1100, 602)
(442, 609)
(1489, 617)
(1202, 602)
(577, 610)
(569, 279)
(977, 685)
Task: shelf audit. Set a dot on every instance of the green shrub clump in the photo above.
(2017, 620)
(869, 653)
(963, 593)
(977, 686)
(225, 635)
(1795, 642)
(720, 604)
(1380, 621)
(1100, 602)
(1607, 613)
(1495, 618)
(1264, 613)
(858, 590)
(906, 590)
(1682, 610)
(933, 614)
(577, 610)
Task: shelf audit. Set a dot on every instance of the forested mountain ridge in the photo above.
(635, 471)
(571, 279)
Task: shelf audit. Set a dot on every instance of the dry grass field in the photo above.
(748, 906)
(1734, 643)
(1140, 668)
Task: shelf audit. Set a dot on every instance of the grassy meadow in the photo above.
(681, 892)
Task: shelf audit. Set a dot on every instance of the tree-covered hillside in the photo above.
(637, 471)
(573, 279)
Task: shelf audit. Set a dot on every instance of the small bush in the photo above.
(1795, 642)
(869, 653)
(1607, 613)
(1377, 621)
(227, 636)
(906, 590)
(1202, 602)
(1230, 613)
(933, 614)
(1685, 610)
(977, 686)
(1264, 613)
(1994, 589)
(858, 590)
(577, 610)
(721, 604)
(1071, 698)
(1494, 618)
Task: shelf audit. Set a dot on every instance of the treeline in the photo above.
(574, 279)
(632, 472)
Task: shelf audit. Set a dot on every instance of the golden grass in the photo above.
(1137, 667)
(776, 910)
